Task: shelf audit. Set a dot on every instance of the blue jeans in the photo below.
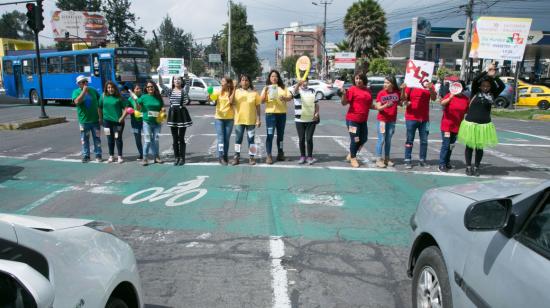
(151, 139)
(85, 130)
(239, 133)
(358, 133)
(275, 121)
(223, 130)
(423, 130)
(447, 146)
(384, 139)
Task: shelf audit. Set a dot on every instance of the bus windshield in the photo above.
(128, 68)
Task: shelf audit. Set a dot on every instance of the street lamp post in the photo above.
(324, 3)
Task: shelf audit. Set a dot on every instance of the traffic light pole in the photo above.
(43, 114)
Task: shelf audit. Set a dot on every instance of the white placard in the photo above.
(417, 73)
(344, 60)
(500, 38)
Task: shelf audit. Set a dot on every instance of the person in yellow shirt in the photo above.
(275, 96)
(224, 118)
(247, 117)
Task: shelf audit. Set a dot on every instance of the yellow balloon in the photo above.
(161, 117)
(137, 114)
(214, 96)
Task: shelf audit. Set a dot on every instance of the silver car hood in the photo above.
(494, 189)
(43, 223)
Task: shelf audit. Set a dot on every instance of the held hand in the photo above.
(428, 85)
(491, 70)
(85, 89)
(403, 85)
(258, 123)
(315, 116)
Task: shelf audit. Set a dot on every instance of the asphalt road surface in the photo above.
(284, 235)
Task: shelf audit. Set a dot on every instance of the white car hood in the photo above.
(44, 223)
(494, 189)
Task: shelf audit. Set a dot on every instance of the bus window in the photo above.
(143, 66)
(8, 67)
(43, 62)
(27, 66)
(67, 64)
(53, 65)
(83, 63)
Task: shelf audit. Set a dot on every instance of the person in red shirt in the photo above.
(417, 117)
(455, 107)
(359, 99)
(386, 104)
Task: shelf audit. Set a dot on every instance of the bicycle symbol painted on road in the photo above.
(175, 195)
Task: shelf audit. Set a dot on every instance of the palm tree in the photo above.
(343, 46)
(365, 25)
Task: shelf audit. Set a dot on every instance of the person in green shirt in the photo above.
(86, 101)
(136, 120)
(112, 113)
(151, 107)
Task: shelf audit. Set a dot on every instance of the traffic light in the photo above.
(31, 20)
(39, 15)
(35, 17)
(276, 35)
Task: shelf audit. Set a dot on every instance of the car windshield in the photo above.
(211, 82)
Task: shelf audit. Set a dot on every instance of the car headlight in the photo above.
(102, 226)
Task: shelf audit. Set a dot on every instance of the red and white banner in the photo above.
(344, 60)
(418, 73)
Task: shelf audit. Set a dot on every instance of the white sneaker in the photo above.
(120, 160)
(110, 160)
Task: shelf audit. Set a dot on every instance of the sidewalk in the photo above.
(18, 114)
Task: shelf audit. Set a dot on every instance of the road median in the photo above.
(31, 123)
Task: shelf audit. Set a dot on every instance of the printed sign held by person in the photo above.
(418, 73)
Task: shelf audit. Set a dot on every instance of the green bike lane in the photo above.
(310, 203)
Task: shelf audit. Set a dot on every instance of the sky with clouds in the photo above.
(203, 18)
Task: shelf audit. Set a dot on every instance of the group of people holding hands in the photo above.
(466, 118)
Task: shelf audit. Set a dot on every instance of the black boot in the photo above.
(469, 170)
(281, 156)
(182, 154)
(475, 172)
(177, 161)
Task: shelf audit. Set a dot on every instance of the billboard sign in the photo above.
(418, 73)
(172, 66)
(344, 60)
(79, 26)
(500, 38)
(215, 58)
(421, 27)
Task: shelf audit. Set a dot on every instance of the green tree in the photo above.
(343, 46)
(174, 42)
(14, 25)
(365, 25)
(380, 66)
(197, 66)
(244, 44)
(122, 23)
(79, 5)
(289, 65)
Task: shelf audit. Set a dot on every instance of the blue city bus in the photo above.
(125, 66)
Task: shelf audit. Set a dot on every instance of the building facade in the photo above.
(299, 40)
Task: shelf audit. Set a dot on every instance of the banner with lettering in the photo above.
(417, 73)
(500, 38)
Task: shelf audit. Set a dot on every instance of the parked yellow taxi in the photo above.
(534, 96)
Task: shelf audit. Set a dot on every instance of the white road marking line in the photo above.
(526, 134)
(364, 155)
(26, 209)
(362, 169)
(36, 153)
(518, 161)
(279, 280)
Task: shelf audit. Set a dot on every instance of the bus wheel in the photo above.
(33, 97)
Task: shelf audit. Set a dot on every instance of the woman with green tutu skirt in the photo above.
(477, 131)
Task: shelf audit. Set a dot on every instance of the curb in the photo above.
(542, 117)
(32, 123)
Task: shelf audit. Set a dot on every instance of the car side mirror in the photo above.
(23, 286)
(488, 215)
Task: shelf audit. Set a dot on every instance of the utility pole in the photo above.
(467, 38)
(324, 3)
(229, 42)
